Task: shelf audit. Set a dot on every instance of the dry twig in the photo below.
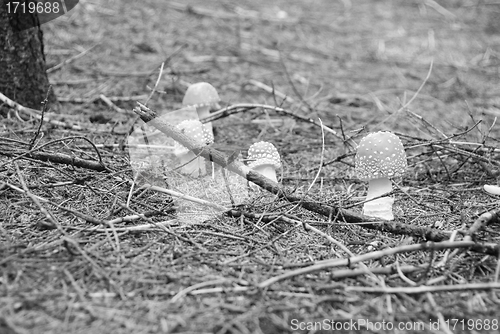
(36, 114)
(327, 264)
(483, 220)
(242, 107)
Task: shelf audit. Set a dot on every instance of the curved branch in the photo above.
(209, 153)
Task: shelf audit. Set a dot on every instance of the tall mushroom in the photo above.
(265, 159)
(380, 156)
(190, 164)
(202, 96)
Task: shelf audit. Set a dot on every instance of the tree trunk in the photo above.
(23, 76)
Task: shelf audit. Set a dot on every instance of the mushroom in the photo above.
(380, 156)
(494, 190)
(190, 163)
(202, 96)
(265, 159)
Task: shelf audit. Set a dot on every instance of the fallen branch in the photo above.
(483, 220)
(211, 154)
(333, 263)
(36, 113)
(424, 289)
(389, 270)
(59, 158)
(135, 228)
(183, 196)
(193, 291)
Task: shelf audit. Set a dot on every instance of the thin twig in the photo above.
(71, 59)
(184, 197)
(187, 290)
(34, 198)
(419, 88)
(111, 104)
(327, 264)
(242, 107)
(36, 113)
(423, 289)
(156, 84)
(44, 110)
(483, 220)
(59, 157)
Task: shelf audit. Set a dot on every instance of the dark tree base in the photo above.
(23, 76)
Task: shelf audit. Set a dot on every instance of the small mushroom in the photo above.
(202, 96)
(380, 156)
(265, 159)
(190, 163)
(494, 190)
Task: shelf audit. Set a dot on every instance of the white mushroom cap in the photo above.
(195, 130)
(200, 94)
(494, 190)
(380, 155)
(264, 153)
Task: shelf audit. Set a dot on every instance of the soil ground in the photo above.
(424, 70)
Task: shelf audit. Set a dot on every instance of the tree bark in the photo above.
(23, 76)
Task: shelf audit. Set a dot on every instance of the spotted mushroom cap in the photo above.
(200, 94)
(195, 130)
(380, 155)
(264, 153)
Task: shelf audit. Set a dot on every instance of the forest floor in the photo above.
(70, 261)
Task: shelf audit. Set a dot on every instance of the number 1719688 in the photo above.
(24, 7)
(471, 324)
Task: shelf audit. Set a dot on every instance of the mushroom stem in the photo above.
(203, 112)
(380, 207)
(378, 187)
(268, 171)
